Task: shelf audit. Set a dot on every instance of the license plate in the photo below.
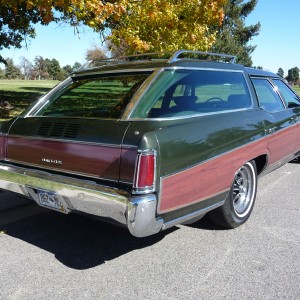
(52, 200)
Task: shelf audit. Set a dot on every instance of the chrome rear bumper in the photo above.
(137, 213)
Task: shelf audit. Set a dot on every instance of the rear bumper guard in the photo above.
(137, 213)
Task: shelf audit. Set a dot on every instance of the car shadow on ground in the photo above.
(206, 224)
(76, 241)
(295, 161)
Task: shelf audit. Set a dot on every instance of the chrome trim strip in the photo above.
(197, 115)
(174, 208)
(41, 101)
(192, 215)
(275, 90)
(99, 71)
(129, 146)
(68, 141)
(137, 96)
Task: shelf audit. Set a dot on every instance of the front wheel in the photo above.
(240, 200)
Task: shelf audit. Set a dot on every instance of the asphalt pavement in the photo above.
(48, 255)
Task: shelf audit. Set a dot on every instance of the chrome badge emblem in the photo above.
(52, 161)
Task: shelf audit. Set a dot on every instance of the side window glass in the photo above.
(179, 93)
(289, 96)
(268, 99)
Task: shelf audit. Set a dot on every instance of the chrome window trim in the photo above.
(196, 115)
(274, 88)
(139, 94)
(281, 95)
(99, 73)
(64, 84)
(159, 71)
(42, 101)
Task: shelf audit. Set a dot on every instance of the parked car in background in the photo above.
(149, 142)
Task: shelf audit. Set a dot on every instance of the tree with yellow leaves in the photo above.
(159, 25)
(140, 26)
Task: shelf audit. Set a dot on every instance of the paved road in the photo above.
(46, 255)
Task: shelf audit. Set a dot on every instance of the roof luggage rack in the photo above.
(168, 57)
(198, 55)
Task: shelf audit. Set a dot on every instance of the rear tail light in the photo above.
(144, 179)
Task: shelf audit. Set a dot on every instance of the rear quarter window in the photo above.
(290, 97)
(267, 97)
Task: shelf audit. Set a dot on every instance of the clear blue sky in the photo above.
(278, 44)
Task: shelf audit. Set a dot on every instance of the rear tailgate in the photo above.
(88, 147)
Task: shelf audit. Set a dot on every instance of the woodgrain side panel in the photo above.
(128, 159)
(206, 180)
(215, 176)
(2, 146)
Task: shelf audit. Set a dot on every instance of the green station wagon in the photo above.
(151, 141)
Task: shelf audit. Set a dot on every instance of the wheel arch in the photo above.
(261, 163)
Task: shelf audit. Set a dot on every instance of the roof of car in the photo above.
(181, 58)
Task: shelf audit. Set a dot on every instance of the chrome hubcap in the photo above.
(243, 188)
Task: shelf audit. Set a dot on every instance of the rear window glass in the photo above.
(101, 97)
(188, 92)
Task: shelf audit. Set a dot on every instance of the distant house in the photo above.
(298, 82)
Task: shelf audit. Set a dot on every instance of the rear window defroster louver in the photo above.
(58, 129)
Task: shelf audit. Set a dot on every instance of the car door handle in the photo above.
(295, 119)
(270, 130)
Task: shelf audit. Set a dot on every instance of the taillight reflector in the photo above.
(145, 171)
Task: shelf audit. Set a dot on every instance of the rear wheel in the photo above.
(240, 199)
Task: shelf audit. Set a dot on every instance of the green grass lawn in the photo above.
(297, 89)
(17, 95)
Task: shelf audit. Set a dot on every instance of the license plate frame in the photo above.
(52, 200)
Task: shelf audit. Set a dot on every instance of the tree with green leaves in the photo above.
(234, 36)
(40, 67)
(53, 68)
(280, 72)
(67, 70)
(293, 75)
(17, 18)
(11, 70)
(148, 25)
(76, 66)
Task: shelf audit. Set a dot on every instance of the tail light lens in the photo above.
(144, 179)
